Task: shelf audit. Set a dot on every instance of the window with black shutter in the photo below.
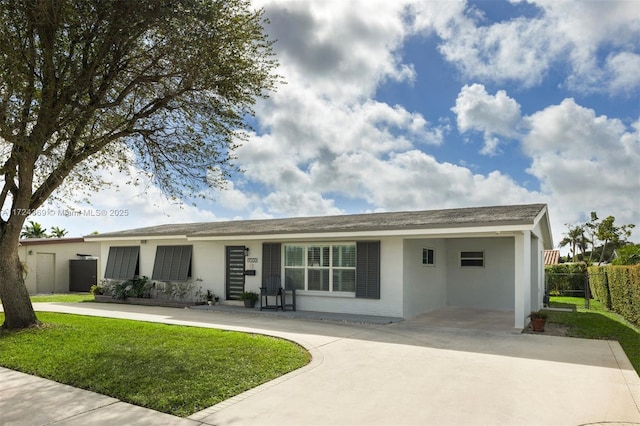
(122, 263)
(172, 263)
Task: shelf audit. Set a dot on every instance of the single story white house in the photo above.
(398, 264)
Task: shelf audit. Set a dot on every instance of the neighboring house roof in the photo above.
(551, 257)
(39, 241)
(497, 216)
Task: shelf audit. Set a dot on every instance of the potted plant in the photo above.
(538, 320)
(250, 298)
(209, 298)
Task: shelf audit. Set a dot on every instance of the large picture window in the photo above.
(321, 267)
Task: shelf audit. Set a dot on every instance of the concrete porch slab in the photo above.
(467, 319)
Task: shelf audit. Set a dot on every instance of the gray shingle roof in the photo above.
(426, 219)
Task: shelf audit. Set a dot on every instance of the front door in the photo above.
(45, 272)
(235, 272)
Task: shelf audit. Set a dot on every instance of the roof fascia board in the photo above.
(139, 237)
(541, 222)
(432, 233)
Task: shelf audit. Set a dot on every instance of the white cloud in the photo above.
(525, 49)
(342, 49)
(624, 69)
(585, 162)
(492, 115)
(307, 134)
(300, 203)
(414, 180)
(121, 206)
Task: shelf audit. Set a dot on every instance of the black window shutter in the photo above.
(368, 269)
(172, 263)
(271, 260)
(122, 262)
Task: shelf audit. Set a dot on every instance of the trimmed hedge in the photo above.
(599, 285)
(565, 279)
(619, 288)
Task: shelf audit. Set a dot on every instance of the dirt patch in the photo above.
(550, 329)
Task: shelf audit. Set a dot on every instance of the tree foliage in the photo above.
(34, 230)
(161, 85)
(575, 239)
(627, 255)
(57, 232)
(604, 232)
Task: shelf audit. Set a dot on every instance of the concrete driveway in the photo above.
(414, 373)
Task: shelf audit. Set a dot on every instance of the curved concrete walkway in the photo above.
(408, 373)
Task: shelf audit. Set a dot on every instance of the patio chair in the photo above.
(291, 292)
(272, 288)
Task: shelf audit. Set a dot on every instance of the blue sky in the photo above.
(409, 105)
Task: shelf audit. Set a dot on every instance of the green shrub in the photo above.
(135, 287)
(96, 289)
(599, 285)
(618, 287)
(623, 290)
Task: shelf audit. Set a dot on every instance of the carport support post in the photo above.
(522, 278)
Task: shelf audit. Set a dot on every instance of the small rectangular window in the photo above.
(472, 258)
(428, 257)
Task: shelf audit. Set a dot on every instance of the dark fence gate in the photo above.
(573, 284)
(83, 274)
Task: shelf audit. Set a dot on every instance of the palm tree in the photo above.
(575, 237)
(34, 230)
(57, 232)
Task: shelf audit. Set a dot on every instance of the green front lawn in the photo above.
(597, 323)
(174, 369)
(61, 297)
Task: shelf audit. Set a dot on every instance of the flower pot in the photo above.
(249, 303)
(537, 324)
(209, 302)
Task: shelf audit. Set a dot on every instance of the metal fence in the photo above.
(573, 284)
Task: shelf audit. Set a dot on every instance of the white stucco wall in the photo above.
(425, 287)
(488, 287)
(207, 262)
(208, 265)
(62, 253)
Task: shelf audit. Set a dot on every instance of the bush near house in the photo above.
(566, 279)
(598, 283)
(618, 287)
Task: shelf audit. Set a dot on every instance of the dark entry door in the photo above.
(235, 272)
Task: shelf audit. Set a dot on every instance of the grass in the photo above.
(597, 323)
(68, 298)
(173, 369)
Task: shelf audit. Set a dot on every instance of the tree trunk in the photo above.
(604, 247)
(18, 311)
